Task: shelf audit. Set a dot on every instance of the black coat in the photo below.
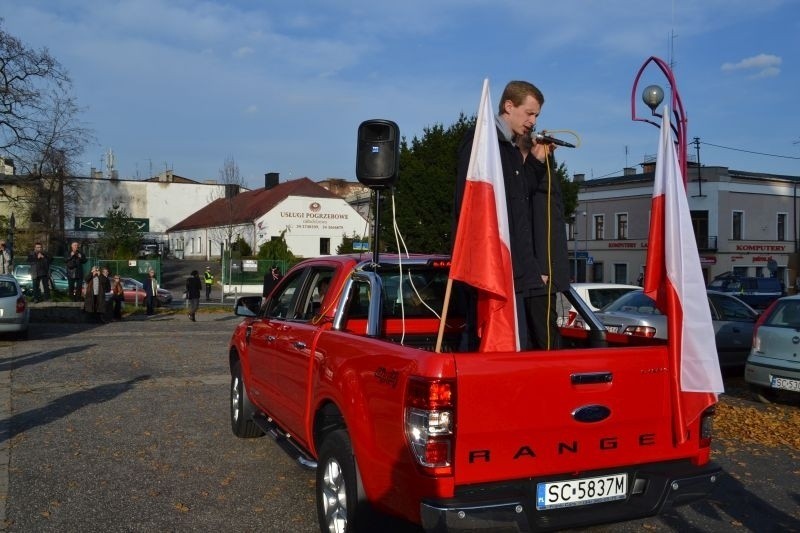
(193, 287)
(526, 188)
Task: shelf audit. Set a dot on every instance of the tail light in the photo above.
(640, 331)
(21, 305)
(430, 422)
(756, 344)
(707, 427)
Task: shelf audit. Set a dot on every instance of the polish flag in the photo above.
(674, 279)
(482, 249)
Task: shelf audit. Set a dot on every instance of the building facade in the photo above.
(744, 223)
(313, 220)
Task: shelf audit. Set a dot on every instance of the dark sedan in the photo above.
(733, 321)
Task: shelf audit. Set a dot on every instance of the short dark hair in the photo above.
(517, 91)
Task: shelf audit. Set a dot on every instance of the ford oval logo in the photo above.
(591, 413)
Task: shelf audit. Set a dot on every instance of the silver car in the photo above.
(15, 315)
(774, 361)
(635, 313)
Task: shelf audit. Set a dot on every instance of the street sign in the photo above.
(582, 255)
(590, 260)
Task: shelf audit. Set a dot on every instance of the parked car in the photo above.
(15, 314)
(597, 295)
(22, 272)
(774, 360)
(134, 292)
(635, 313)
(758, 293)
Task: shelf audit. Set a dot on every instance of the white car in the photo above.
(773, 364)
(15, 315)
(596, 295)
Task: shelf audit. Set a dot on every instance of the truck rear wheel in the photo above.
(241, 411)
(341, 505)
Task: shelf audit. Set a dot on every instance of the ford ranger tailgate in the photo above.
(531, 414)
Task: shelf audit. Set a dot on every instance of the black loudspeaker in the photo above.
(378, 156)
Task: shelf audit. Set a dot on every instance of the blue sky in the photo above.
(282, 86)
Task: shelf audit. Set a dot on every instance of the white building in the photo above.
(156, 204)
(744, 222)
(315, 221)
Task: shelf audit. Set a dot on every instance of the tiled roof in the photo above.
(247, 206)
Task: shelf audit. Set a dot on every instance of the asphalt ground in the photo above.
(125, 427)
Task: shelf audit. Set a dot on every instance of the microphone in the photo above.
(546, 139)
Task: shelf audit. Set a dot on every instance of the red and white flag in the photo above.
(482, 249)
(674, 279)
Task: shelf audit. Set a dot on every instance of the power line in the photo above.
(749, 151)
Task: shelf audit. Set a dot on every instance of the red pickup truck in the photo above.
(339, 363)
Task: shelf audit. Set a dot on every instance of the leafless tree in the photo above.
(232, 181)
(41, 132)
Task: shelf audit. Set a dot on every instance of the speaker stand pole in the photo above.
(377, 228)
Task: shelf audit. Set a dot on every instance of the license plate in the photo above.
(555, 494)
(612, 329)
(785, 384)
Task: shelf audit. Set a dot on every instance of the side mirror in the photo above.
(247, 306)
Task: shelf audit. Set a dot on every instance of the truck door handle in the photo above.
(300, 345)
(591, 377)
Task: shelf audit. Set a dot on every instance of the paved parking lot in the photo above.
(124, 427)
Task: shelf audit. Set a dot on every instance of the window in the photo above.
(781, 226)
(598, 227)
(283, 303)
(620, 273)
(324, 246)
(622, 225)
(738, 219)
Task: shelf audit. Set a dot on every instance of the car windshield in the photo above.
(633, 302)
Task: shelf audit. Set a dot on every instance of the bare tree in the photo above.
(232, 181)
(25, 76)
(40, 130)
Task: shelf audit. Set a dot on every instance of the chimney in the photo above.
(628, 171)
(578, 178)
(231, 190)
(271, 179)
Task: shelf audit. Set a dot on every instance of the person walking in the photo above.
(208, 277)
(40, 272)
(193, 293)
(74, 263)
(150, 292)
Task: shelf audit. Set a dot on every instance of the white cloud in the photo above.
(762, 65)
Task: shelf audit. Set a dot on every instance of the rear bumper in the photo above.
(760, 370)
(512, 506)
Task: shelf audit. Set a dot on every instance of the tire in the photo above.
(242, 423)
(341, 504)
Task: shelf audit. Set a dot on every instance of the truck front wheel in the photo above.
(241, 411)
(341, 505)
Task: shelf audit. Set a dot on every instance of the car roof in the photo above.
(596, 285)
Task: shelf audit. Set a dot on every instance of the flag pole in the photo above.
(445, 309)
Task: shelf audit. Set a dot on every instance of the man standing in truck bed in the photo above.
(535, 213)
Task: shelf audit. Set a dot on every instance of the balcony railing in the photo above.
(707, 243)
